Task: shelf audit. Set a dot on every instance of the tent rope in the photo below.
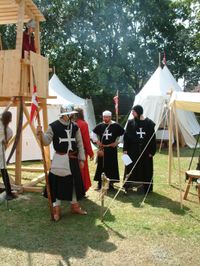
(128, 175)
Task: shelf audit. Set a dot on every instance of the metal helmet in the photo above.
(67, 110)
(31, 24)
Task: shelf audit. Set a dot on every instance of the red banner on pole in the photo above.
(116, 101)
(34, 104)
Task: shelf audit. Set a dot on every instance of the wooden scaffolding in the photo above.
(16, 79)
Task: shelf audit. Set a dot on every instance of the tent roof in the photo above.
(161, 83)
(64, 95)
(174, 84)
(186, 101)
(9, 11)
(155, 97)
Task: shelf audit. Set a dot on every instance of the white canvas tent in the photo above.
(30, 148)
(180, 101)
(154, 98)
(65, 96)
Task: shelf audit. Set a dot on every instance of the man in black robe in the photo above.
(106, 136)
(65, 177)
(140, 145)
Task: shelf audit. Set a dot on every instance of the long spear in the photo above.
(34, 101)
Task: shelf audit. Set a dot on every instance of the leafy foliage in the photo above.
(98, 46)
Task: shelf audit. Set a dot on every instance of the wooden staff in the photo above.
(117, 110)
(105, 186)
(45, 168)
(44, 159)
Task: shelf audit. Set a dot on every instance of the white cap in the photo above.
(106, 113)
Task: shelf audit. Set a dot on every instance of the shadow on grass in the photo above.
(184, 152)
(26, 226)
(154, 199)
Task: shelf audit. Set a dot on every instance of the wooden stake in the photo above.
(170, 146)
(178, 155)
(45, 169)
(104, 188)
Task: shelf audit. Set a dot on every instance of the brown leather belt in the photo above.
(72, 154)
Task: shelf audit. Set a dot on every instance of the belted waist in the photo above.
(71, 154)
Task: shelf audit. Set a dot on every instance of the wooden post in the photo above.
(170, 146)
(18, 155)
(45, 125)
(44, 158)
(20, 24)
(178, 154)
(45, 170)
(37, 37)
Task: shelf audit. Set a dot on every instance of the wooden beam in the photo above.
(10, 104)
(24, 126)
(20, 24)
(30, 124)
(35, 181)
(33, 189)
(14, 187)
(26, 169)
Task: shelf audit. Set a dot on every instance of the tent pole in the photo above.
(159, 59)
(178, 154)
(170, 146)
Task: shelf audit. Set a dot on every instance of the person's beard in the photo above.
(137, 118)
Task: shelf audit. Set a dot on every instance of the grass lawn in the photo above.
(157, 232)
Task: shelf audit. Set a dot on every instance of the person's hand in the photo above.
(92, 158)
(99, 144)
(124, 152)
(81, 164)
(150, 155)
(39, 130)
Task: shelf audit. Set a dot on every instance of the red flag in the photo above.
(34, 103)
(164, 59)
(116, 101)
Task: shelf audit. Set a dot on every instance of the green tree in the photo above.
(99, 46)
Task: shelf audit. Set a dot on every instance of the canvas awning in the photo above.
(189, 101)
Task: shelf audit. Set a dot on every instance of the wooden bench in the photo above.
(193, 175)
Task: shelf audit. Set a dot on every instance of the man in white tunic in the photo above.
(65, 177)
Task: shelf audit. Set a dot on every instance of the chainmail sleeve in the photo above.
(47, 137)
(79, 143)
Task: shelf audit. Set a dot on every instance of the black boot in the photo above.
(6, 181)
(11, 196)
